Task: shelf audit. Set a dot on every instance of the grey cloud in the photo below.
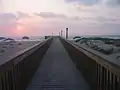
(76, 28)
(105, 19)
(50, 15)
(112, 2)
(98, 19)
(7, 23)
(22, 15)
(93, 2)
(6, 18)
(87, 2)
(57, 16)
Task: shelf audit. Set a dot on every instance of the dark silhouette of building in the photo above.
(66, 33)
(25, 37)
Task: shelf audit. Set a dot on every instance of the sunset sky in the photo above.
(42, 17)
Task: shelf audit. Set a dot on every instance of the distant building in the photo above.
(47, 37)
(25, 37)
(66, 33)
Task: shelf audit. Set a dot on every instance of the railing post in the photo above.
(105, 78)
(98, 76)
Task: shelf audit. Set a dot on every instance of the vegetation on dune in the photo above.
(1, 38)
(104, 45)
(76, 37)
(115, 42)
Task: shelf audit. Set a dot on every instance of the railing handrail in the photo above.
(112, 66)
(16, 58)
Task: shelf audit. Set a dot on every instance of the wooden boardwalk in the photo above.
(57, 71)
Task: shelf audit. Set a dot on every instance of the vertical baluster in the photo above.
(110, 78)
(14, 77)
(105, 78)
(111, 81)
(17, 76)
(7, 81)
(11, 78)
(4, 81)
(102, 78)
(98, 77)
(118, 83)
(115, 84)
(0, 82)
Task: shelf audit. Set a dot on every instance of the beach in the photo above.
(7, 50)
(106, 47)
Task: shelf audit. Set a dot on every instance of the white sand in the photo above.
(8, 50)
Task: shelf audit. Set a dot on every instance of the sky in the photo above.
(44, 17)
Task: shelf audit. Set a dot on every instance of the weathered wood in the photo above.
(107, 73)
(17, 72)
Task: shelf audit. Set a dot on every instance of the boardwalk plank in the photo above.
(57, 71)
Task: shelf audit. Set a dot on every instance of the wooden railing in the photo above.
(16, 73)
(99, 73)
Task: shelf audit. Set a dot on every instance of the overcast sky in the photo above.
(42, 17)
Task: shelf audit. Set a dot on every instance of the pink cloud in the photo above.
(36, 25)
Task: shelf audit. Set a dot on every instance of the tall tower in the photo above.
(66, 33)
(61, 33)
